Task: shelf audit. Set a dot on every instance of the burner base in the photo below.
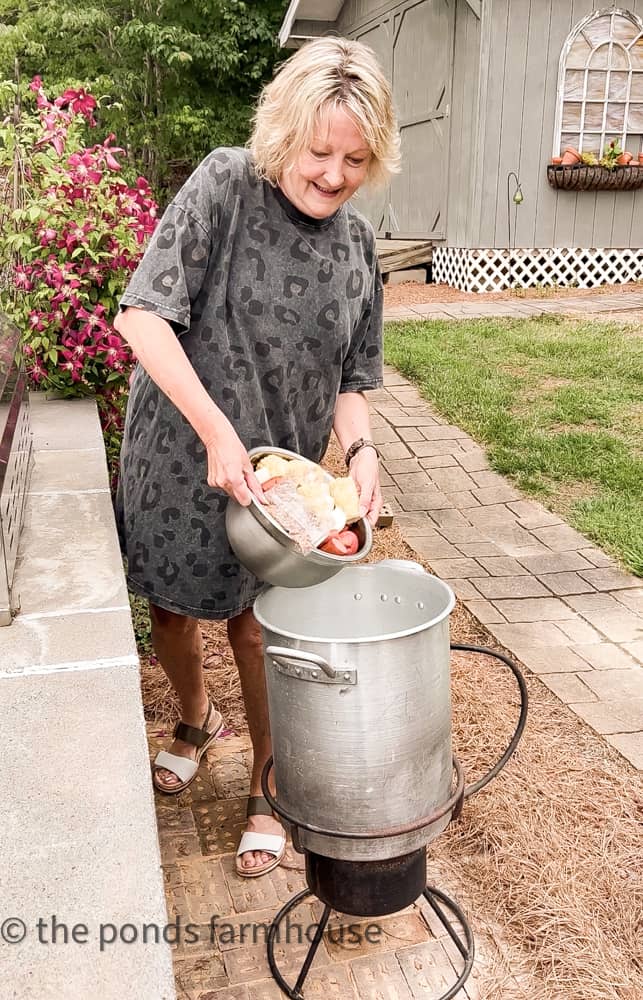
(433, 896)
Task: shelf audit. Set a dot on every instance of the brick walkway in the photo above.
(604, 303)
(553, 599)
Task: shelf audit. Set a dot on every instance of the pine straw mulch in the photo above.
(548, 860)
(418, 292)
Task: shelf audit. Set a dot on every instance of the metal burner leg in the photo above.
(294, 992)
(466, 947)
(431, 894)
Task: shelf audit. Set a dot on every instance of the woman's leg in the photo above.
(244, 634)
(178, 645)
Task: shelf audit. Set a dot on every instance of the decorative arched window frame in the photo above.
(604, 50)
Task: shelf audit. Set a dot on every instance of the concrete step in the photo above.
(78, 835)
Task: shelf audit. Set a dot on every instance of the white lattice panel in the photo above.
(494, 270)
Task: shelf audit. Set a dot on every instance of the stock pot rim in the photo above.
(352, 640)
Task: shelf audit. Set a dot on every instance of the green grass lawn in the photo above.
(558, 403)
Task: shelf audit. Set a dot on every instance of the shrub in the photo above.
(74, 240)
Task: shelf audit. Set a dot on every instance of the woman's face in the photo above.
(330, 171)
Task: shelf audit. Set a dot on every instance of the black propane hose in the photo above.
(522, 718)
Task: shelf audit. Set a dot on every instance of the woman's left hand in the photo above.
(364, 470)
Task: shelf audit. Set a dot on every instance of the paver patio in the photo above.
(604, 303)
(551, 597)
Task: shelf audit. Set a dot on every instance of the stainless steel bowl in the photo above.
(264, 548)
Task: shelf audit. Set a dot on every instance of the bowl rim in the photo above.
(278, 533)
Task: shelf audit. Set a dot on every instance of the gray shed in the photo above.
(487, 93)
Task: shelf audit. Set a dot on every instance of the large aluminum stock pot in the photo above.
(357, 672)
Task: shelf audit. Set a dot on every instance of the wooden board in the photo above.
(396, 255)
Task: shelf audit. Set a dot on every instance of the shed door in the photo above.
(415, 46)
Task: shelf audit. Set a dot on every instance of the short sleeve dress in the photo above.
(278, 313)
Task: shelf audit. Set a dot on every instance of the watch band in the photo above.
(357, 446)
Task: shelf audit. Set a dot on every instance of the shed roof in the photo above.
(293, 32)
(307, 10)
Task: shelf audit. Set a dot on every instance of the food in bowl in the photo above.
(313, 508)
(264, 547)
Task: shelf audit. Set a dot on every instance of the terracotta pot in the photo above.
(557, 160)
(641, 159)
(624, 159)
(570, 156)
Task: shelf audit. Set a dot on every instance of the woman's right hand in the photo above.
(229, 466)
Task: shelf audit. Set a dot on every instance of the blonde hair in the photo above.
(324, 75)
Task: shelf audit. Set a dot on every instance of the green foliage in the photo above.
(173, 78)
(611, 153)
(70, 248)
(141, 622)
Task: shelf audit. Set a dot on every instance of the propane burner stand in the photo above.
(436, 900)
(377, 888)
(369, 888)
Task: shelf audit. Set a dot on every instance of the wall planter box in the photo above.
(580, 177)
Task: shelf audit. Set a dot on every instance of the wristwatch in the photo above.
(357, 446)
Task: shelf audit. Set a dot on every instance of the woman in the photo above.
(256, 318)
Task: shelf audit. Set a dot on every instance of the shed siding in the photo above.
(502, 115)
(355, 12)
(409, 36)
(374, 203)
(309, 29)
(370, 22)
(518, 115)
(463, 125)
(423, 37)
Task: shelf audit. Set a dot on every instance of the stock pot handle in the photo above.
(283, 657)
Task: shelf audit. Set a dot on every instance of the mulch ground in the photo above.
(547, 859)
(416, 292)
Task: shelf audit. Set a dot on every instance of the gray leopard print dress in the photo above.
(278, 313)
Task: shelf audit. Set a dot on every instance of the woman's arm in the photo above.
(352, 422)
(159, 351)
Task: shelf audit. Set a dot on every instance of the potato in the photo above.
(344, 493)
(302, 471)
(275, 465)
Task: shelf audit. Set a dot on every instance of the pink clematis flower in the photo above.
(37, 372)
(41, 97)
(80, 102)
(84, 168)
(78, 344)
(22, 280)
(36, 321)
(107, 152)
(47, 236)
(74, 367)
(92, 273)
(115, 351)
